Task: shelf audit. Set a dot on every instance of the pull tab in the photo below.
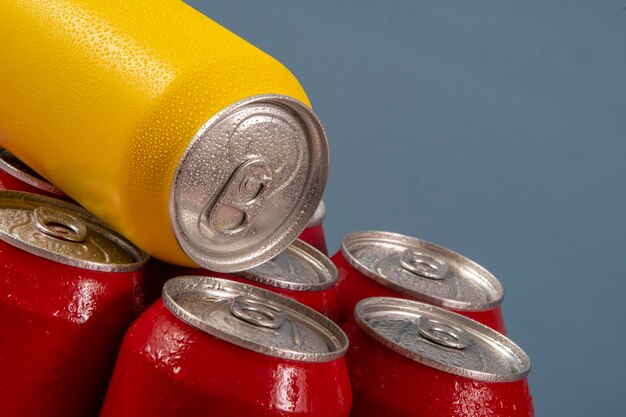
(257, 312)
(423, 265)
(442, 334)
(242, 197)
(59, 224)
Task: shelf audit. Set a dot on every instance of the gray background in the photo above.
(493, 128)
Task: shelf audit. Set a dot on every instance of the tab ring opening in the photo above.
(241, 198)
(257, 312)
(423, 265)
(59, 224)
(442, 334)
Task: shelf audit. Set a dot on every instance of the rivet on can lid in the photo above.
(64, 233)
(13, 166)
(442, 339)
(300, 267)
(422, 270)
(254, 318)
(249, 182)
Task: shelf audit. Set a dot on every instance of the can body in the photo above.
(159, 272)
(122, 89)
(314, 236)
(353, 286)
(167, 368)
(387, 383)
(62, 327)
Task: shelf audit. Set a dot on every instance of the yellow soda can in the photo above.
(191, 142)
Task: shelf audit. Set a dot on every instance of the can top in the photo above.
(254, 318)
(299, 267)
(442, 339)
(64, 233)
(249, 182)
(13, 166)
(318, 216)
(422, 270)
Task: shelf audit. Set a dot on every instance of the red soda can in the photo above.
(313, 234)
(214, 347)
(70, 288)
(411, 359)
(373, 264)
(17, 176)
(300, 272)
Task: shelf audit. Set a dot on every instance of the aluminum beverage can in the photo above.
(225, 349)
(411, 359)
(300, 272)
(17, 176)
(70, 288)
(372, 264)
(314, 234)
(194, 144)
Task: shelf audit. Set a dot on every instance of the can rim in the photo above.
(193, 283)
(496, 295)
(299, 215)
(307, 253)
(140, 257)
(375, 305)
(38, 182)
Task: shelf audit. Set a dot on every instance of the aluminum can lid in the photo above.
(442, 339)
(254, 318)
(299, 267)
(64, 233)
(423, 270)
(318, 216)
(10, 164)
(249, 182)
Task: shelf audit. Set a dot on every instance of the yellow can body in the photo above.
(103, 97)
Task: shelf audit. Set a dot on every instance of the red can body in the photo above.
(159, 272)
(353, 286)
(386, 383)
(168, 368)
(314, 236)
(61, 329)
